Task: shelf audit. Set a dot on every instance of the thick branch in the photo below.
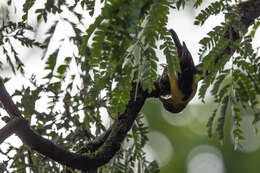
(111, 142)
(162, 88)
(8, 130)
(8, 103)
(93, 145)
(83, 162)
(48, 148)
(121, 126)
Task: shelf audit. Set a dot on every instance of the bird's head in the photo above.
(172, 107)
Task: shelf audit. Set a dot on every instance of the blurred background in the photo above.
(179, 142)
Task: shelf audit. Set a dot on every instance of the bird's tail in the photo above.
(177, 42)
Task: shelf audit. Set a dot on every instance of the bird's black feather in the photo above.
(188, 69)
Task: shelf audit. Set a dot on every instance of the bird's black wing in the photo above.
(186, 61)
(188, 69)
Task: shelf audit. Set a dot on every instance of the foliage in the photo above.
(235, 86)
(119, 48)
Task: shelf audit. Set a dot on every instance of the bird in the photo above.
(183, 85)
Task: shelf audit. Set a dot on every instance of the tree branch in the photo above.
(8, 129)
(109, 143)
(249, 11)
(8, 103)
(93, 145)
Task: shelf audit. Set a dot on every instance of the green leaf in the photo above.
(62, 69)
(221, 119)
(197, 3)
(213, 9)
(28, 101)
(210, 122)
(51, 62)
(26, 7)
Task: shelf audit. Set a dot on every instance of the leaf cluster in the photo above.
(234, 86)
(11, 34)
(116, 51)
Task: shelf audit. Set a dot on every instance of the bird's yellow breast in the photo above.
(176, 93)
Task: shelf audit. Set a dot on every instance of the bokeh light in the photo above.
(205, 159)
(159, 146)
